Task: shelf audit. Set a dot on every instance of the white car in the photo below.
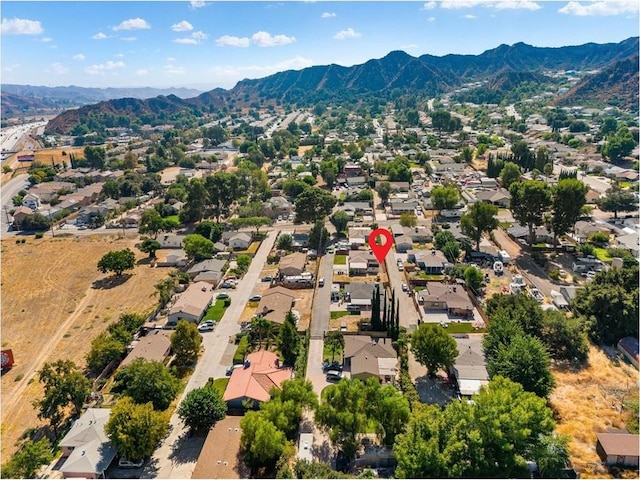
(126, 463)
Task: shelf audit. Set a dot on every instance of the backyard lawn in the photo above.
(463, 327)
(335, 315)
(601, 254)
(216, 311)
(340, 260)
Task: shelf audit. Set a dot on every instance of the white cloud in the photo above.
(46, 39)
(231, 41)
(238, 72)
(58, 69)
(265, 39)
(197, 3)
(348, 33)
(173, 70)
(328, 15)
(431, 19)
(411, 46)
(11, 68)
(170, 59)
(429, 6)
(20, 26)
(186, 41)
(607, 8)
(132, 24)
(199, 35)
(182, 26)
(79, 57)
(469, 16)
(498, 5)
(119, 55)
(128, 39)
(101, 68)
(99, 36)
(142, 72)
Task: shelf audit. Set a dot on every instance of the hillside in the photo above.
(395, 74)
(616, 85)
(506, 87)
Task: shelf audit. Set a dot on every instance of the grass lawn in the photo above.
(463, 328)
(326, 354)
(601, 254)
(173, 217)
(335, 315)
(221, 384)
(340, 260)
(216, 311)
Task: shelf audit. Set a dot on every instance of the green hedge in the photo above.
(241, 351)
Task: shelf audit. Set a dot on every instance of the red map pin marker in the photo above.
(380, 251)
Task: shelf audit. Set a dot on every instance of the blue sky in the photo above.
(205, 44)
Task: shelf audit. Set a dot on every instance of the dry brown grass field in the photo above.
(51, 311)
(588, 402)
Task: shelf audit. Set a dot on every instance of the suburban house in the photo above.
(219, 457)
(240, 241)
(261, 372)
(470, 366)
(171, 241)
(432, 262)
(592, 196)
(418, 234)
(618, 449)
(192, 304)
(292, 264)
(86, 447)
(20, 214)
(300, 239)
(277, 206)
(404, 243)
(155, 346)
(366, 357)
(628, 346)
(31, 201)
(362, 262)
(629, 242)
(359, 293)
(352, 170)
(358, 236)
(441, 296)
(210, 271)
(583, 229)
(520, 232)
(399, 186)
(357, 208)
(275, 304)
(356, 181)
(171, 258)
(500, 197)
(398, 207)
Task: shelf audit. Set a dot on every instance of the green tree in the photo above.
(197, 201)
(339, 220)
(255, 222)
(569, 196)
(28, 460)
(117, 261)
(444, 197)
(343, 411)
(313, 204)
(223, 189)
(209, 230)
(285, 241)
(384, 190)
(335, 341)
(442, 238)
(451, 250)
(104, 350)
(292, 187)
(473, 278)
(388, 408)
(328, 171)
(433, 347)
(529, 202)
(501, 331)
(261, 443)
(95, 157)
(523, 308)
(618, 200)
(202, 408)
(197, 247)
(509, 174)
(151, 222)
(186, 342)
(564, 337)
(526, 361)
(150, 246)
(481, 218)
(285, 407)
(289, 339)
(145, 381)
(318, 235)
(408, 220)
(136, 429)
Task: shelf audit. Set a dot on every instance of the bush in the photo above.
(39, 235)
(227, 302)
(554, 274)
(241, 351)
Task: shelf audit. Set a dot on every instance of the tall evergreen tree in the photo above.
(385, 314)
(375, 308)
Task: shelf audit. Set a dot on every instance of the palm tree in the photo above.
(334, 340)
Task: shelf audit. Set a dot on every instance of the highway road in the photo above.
(9, 190)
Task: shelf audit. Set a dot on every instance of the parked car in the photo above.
(227, 285)
(321, 282)
(232, 368)
(255, 298)
(405, 287)
(267, 278)
(126, 463)
(222, 296)
(334, 376)
(207, 326)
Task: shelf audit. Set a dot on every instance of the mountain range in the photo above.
(396, 73)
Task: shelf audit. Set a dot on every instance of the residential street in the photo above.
(320, 325)
(178, 454)
(408, 314)
(9, 190)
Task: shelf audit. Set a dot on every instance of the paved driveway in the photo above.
(177, 455)
(408, 313)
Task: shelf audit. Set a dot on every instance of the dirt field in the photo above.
(588, 402)
(51, 311)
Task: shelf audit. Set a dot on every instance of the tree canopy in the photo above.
(529, 202)
(444, 197)
(481, 218)
(314, 204)
(433, 347)
(146, 381)
(202, 408)
(185, 342)
(117, 261)
(197, 247)
(569, 196)
(618, 200)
